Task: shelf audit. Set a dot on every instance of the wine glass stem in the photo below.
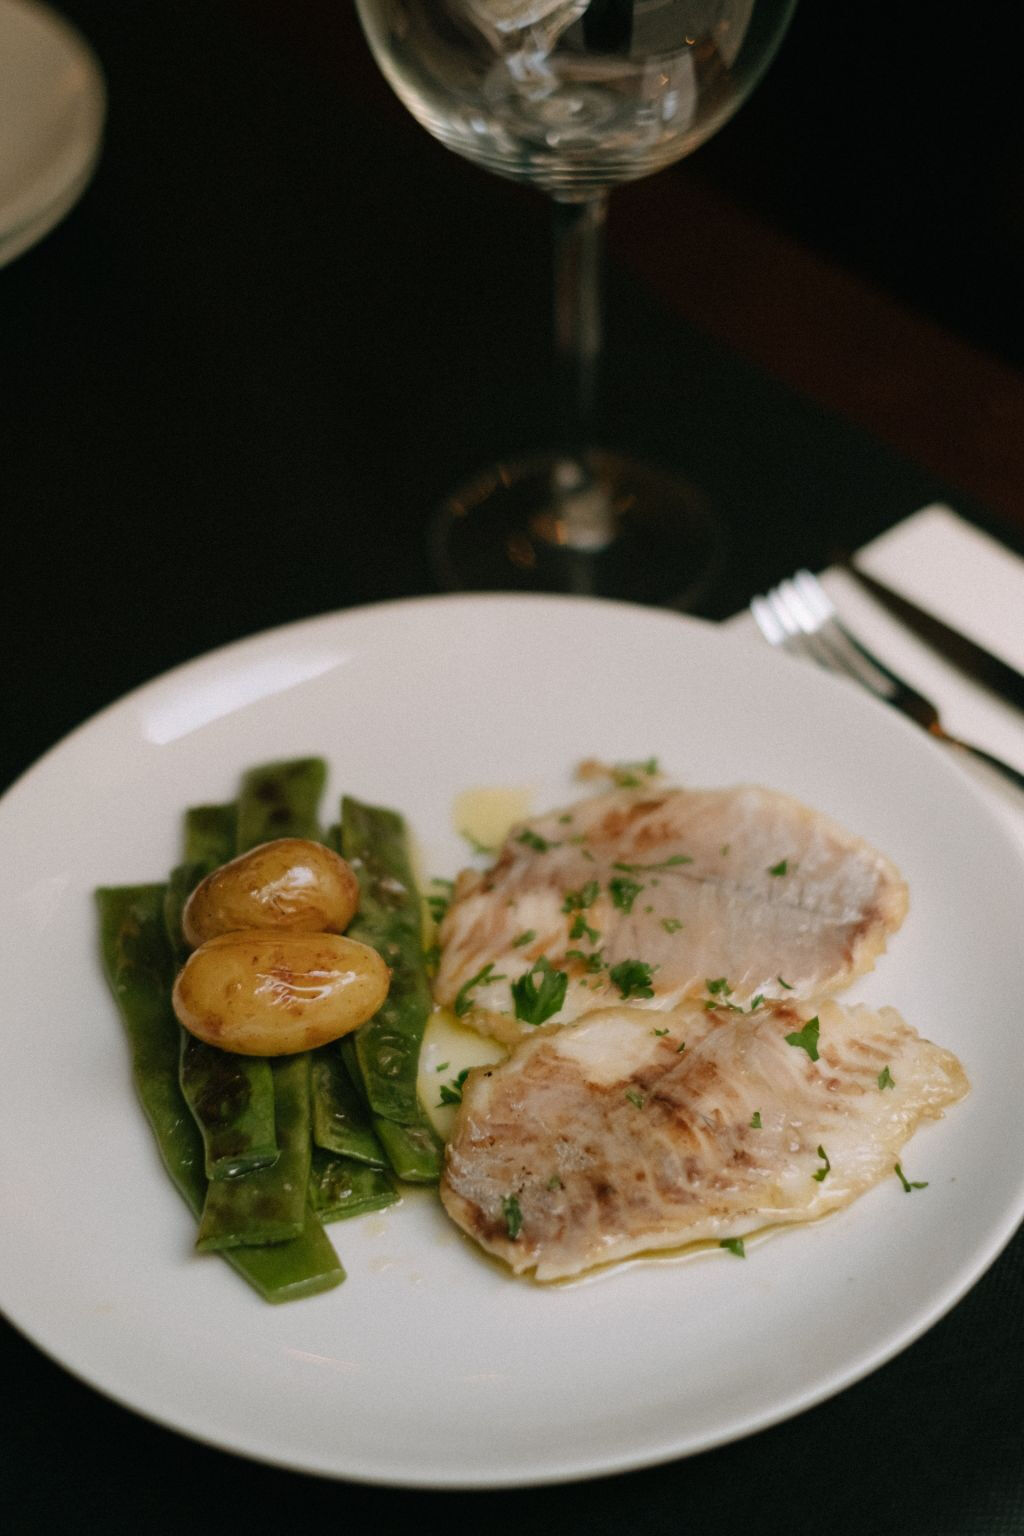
(579, 259)
(585, 515)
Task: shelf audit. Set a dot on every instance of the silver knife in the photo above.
(962, 653)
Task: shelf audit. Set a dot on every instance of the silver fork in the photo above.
(800, 617)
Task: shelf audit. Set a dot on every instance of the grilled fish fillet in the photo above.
(607, 1139)
(744, 886)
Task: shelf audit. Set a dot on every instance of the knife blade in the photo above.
(964, 654)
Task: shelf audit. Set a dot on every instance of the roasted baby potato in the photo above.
(269, 994)
(290, 885)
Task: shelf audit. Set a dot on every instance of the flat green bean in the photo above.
(230, 1096)
(268, 1204)
(280, 800)
(341, 1121)
(138, 962)
(340, 1188)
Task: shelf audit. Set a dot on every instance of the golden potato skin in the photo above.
(270, 994)
(291, 885)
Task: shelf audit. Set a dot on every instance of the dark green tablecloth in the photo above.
(276, 329)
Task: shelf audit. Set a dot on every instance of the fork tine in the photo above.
(800, 626)
(799, 616)
(768, 622)
(813, 595)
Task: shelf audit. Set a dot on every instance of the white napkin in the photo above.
(951, 569)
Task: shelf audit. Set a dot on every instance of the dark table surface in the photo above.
(279, 325)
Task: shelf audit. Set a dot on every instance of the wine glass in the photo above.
(575, 97)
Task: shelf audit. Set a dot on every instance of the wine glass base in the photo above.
(617, 529)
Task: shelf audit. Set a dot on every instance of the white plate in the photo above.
(431, 1365)
(52, 107)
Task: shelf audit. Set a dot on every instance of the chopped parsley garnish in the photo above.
(581, 929)
(463, 1001)
(755, 1002)
(806, 1039)
(724, 849)
(635, 1097)
(539, 999)
(591, 963)
(719, 987)
(671, 924)
(681, 1048)
(659, 1032)
(820, 1175)
(577, 901)
(787, 984)
(755, 1120)
(631, 869)
(524, 938)
(533, 840)
(624, 892)
(909, 1184)
(630, 775)
(565, 817)
(734, 1245)
(439, 902)
(886, 1079)
(451, 1093)
(633, 978)
(781, 868)
(475, 844)
(442, 1066)
(554, 1182)
(513, 1216)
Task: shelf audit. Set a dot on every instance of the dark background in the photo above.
(283, 322)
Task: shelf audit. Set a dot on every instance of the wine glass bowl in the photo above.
(526, 89)
(575, 97)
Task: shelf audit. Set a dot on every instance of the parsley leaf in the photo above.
(781, 868)
(886, 1079)
(633, 978)
(476, 846)
(659, 1032)
(513, 1216)
(535, 1002)
(582, 929)
(624, 892)
(719, 988)
(533, 840)
(439, 901)
(787, 984)
(806, 1039)
(755, 1120)
(822, 1173)
(526, 937)
(577, 901)
(463, 1001)
(631, 869)
(909, 1184)
(630, 775)
(734, 1245)
(591, 963)
(635, 1097)
(671, 924)
(451, 1093)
